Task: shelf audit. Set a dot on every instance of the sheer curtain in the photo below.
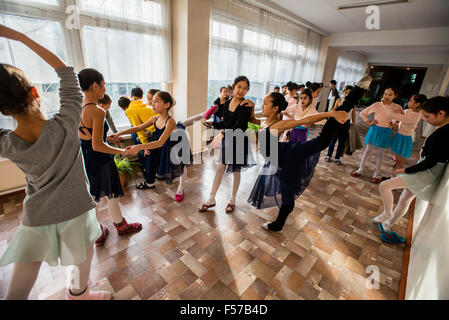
(128, 41)
(350, 68)
(269, 50)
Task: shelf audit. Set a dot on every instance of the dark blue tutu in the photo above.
(171, 163)
(101, 170)
(292, 176)
(236, 161)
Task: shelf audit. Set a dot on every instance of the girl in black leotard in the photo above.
(237, 112)
(98, 160)
(162, 160)
(296, 161)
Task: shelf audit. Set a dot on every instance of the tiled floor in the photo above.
(322, 253)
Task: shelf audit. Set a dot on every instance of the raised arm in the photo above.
(42, 52)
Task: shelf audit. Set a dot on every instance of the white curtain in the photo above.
(428, 272)
(350, 68)
(128, 41)
(269, 50)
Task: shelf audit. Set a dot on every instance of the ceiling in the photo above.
(324, 14)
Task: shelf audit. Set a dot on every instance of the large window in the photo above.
(126, 40)
(270, 51)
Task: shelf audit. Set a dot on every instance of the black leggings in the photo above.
(318, 144)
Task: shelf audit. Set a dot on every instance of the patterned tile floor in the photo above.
(322, 253)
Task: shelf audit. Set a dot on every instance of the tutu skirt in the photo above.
(172, 162)
(67, 241)
(235, 155)
(424, 184)
(283, 185)
(299, 134)
(379, 137)
(402, 145)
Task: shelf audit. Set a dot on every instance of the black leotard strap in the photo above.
(83, 126)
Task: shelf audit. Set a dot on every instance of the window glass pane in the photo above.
(224, 31)
(47, 33)
(285, 46)
(123, 56)
(222, 63)
(41, 75)
(256, 93)
(283, 69)
(256, 66)
(145, 11)
(256, 39)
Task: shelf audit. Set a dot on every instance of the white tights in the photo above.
(217, 181)
(24, 276)
(114, 210)
(182, 180)
(380, 157)
(386, 191)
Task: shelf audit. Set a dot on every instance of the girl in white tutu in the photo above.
(421, 179)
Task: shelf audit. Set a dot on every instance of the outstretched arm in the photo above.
(42, 52)
(115, 138)
(171, 126)
(340, 116)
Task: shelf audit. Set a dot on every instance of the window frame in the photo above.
(75, 44)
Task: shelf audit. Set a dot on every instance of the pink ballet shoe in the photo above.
(210, 112)
(90, 295)
(179, 197)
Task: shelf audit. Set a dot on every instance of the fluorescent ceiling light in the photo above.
(370, 3)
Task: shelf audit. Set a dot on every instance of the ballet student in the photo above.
(403, 140)
(380, 135)
(159, 160)
(98, 156)
(284, 90)
(58, 217)
(296, 112)
(296, 161)
(220, 101)
(421, 179)
(292, 92)
(343, 132)
(150, 95)
(237, 112)
(105, 104)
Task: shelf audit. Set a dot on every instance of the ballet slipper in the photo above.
(179, 197)
(210, 112)
(90, 295)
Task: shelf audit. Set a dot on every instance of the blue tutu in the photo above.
(171, 164)
(402, 145)
(290, 178)
(379, 137)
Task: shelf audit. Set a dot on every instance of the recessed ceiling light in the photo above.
(371, 3)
